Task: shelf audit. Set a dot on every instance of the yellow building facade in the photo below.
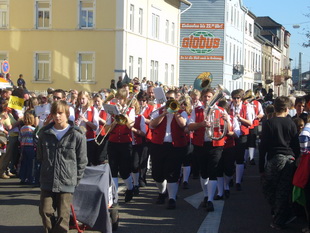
(69, 44)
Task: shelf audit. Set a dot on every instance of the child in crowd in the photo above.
(26, 137)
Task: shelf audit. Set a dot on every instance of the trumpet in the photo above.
(172, 106)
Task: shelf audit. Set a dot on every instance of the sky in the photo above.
(287, 13)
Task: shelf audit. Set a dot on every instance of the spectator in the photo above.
(112, 85)
(66, 145)
(119, 83)
(21, 82)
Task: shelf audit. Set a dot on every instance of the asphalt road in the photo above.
(245, 211)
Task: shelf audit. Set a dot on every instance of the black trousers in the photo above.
(137, 151)
(120, 159)
(166, 162)
(251, 140)
(208, 158)
(227, 162)
(92, 155)
(188, 156)
(241, 144)
(143, 162)
(102, 149)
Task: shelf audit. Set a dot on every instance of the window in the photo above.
(172, 74)
(3, 14)
(86, 62)
(250, 29)
(140, 67)
(131, 17)
(87, 14)
(140, 20)
(43, 66)
(166, 74)
(167, 31)
(130, 67)
(156, 71)
(155, 26)
(172, 33)
(43, 14)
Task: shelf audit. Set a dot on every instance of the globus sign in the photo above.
(201, 42)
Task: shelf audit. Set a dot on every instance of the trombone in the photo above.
(119, 119)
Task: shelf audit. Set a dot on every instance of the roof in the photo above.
(266, 21)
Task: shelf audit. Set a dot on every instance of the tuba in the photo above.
(203, 81)
(214, 114)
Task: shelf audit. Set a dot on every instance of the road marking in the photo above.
(212, 222)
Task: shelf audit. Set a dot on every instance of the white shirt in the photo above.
(168, 136)
(95, 119)
(60, 132)
(131, 116)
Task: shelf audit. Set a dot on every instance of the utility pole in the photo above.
(299, 73)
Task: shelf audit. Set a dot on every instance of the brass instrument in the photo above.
(119, 119)
(203, 81)
(172, 106)
(212, 118)
(110, 96)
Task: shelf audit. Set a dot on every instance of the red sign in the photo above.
(5, 67)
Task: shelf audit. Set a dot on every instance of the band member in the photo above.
(185, 105)
(167, 150)
(257, 114)
(145, 109)
(102, 149)
(195, 96)
(226, 167)
(119, 146)
(207, 150)
(87, 117)
(138, 133)
(238, 109)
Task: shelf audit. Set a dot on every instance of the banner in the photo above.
(16, 103)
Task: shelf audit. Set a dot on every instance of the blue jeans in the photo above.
(27, 172)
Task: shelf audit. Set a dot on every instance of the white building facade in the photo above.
(148, 39)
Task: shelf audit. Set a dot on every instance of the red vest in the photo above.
(199, 134)
(121, 133)
(243, 128)
(177, 133)
(136, 137)
(102, 115)
(147, 115)
(256, 110)
(90, 133)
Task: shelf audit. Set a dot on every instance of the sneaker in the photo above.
(252, 162)
(227, 193)
(210, 207)
(10, 174)
(203, 204)
(218, 197)
(185, 185)
(161, 198)
(171, 204)
(5, 176)
(238, 187)
(128, 195)
(136, 190)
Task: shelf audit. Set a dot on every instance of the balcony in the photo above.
(287, 73)
(279, 80)
(268, 77)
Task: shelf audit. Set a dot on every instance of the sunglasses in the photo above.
(56, 98)
(236, 98)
